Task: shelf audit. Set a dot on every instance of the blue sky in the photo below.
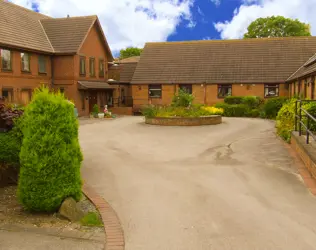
(129, 23)
(204, 14)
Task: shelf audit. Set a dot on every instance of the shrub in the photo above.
(182, 99)
(254, 113)
(272, 107)
(9, 113)
(234, 110)
(50, 155)
(149, 111)
(95, 109)
(286, 120)
(233, 99)
(171, 111)
(252, 102)
(10, 147)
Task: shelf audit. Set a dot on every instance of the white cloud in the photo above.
(252, 9)
(216, 2)
(125, 22)
(191, 24)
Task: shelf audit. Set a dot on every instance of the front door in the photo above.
(93, 99)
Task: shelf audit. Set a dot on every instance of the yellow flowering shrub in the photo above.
(213, 110)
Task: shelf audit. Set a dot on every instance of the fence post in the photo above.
(295, 125)
(300, 117)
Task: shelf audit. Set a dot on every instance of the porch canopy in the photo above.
(94, 85)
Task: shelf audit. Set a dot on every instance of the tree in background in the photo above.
(277, 26)
(129, 52)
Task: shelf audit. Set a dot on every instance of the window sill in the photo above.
(42, 73)
(25, 72)
(6, 70)
(155, 97)
(82, 75)
(271, 96)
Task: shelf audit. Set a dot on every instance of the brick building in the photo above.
(214, 69)
(70, 54)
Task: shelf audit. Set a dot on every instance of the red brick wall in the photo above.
(298, 144)
(18, 80)
(204, 93)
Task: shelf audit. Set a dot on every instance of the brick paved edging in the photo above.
(184, 121)
(309, 181)
(114, 235)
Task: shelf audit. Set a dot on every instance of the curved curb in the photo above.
(184, 121)
(114, 235)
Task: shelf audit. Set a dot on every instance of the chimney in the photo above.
(68, 16)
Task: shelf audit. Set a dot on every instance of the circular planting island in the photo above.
(185, 121)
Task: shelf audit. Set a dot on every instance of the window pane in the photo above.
(224, 90)
(25, 58)
(271, 90)
(186, 87)
(101, 68)
(155, 91)
(82, 65)
(6, 59)
(41, 64)
(92, 67)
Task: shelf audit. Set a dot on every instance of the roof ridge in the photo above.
(46, 36)
(25, 9)
(73, 17)
(236, 40)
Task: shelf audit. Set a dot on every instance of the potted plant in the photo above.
(101, 115)
(91, 115)
(95, 110)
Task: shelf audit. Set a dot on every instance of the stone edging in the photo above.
(114, 235)
(309, 181)
(185, 121)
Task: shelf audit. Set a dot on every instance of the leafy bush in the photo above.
(182, 99)
(95, 109)
(10, 147)
(171, 111)
(50, 155)
(286, 118)
(233, 99)
(8, 114)
(272, 107)
(252, 102)
(254, 113)
(149, 111)
(234, 110)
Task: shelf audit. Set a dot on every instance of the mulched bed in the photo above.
(11, 212)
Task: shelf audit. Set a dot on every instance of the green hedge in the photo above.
(272, 107)
(10, 147)
(234, 110)
(50, 155)
(252, 102)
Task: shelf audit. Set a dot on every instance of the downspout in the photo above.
(52, 72)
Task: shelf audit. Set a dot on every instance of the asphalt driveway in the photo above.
(229, 186)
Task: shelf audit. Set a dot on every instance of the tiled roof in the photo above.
(67, 34)
(20, 27)
(307, 68)
(266, 60)
(132, 59)
(23, 28)
(94, 85)
(127, 68)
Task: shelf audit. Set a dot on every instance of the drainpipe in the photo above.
(52, 71)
